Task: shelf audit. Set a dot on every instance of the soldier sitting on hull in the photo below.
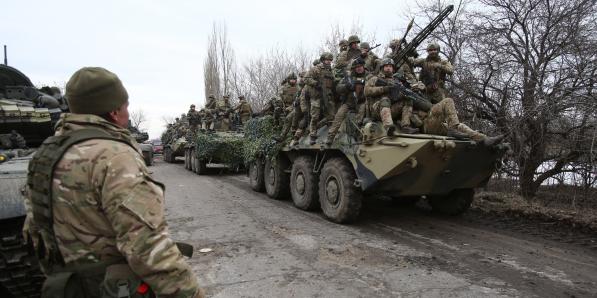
(319, 84)
(351, 92)
(370, 59)
(442, 119)
(382, 99)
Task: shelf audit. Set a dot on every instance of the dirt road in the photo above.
(266, 248)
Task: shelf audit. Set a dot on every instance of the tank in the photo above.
(141, 138)
(363, 162)
(27, 117)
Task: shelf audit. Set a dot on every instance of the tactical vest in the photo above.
(80, 280)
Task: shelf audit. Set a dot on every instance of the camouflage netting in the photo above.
(225, 148)
(259, 138)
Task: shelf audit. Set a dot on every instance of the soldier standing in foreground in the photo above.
(319, 84)
(97, 217)
(433, 73)
(351, 92)
(194, 120)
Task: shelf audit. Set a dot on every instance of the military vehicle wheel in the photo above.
(193, 160)
(276, 179)
(200, 166)
(167, 155)
(256, 175)
(340, 199)
(303, 184)
(20, 274)
(455, 203)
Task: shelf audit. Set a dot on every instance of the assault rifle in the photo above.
(400, 57)
(375, 47)
(398, 90)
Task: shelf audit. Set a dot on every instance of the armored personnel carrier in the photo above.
(364, 162)
(27, 117)
(146, 149)
(221, 146)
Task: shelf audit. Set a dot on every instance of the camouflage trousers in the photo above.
(402, 109)
(244, 118)
(435, 94)
(317, 111)
(443, 116)
(300, 113)
(341, 115)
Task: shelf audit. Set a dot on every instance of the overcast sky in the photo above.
(157, 48)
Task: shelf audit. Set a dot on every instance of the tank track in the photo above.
(20, 275)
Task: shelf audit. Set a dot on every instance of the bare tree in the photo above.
(138, 118)
(527, 68)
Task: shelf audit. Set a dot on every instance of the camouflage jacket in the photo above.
(433, 71)
(355, 95)
(376, 92)
(288, 93)
(319, 79)
(371, 62)
(244, 108)
(107, 206)
(345, 57)
(194, 117)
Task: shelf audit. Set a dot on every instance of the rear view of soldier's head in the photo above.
(97, 91)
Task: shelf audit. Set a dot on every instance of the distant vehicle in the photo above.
(158, 148)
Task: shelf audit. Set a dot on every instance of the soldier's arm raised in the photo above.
(134, 205)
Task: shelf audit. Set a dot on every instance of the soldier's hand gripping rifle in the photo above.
(400, 57)
(399, 90)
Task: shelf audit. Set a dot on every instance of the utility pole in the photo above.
(5, 56)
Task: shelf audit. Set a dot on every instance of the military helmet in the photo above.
(357, 62)
(343, 43)
(302, 74)
(387, 61)
(192, 105)
(316, 61)
(395, 42)
(364, 45)
(433, 46)
(326, 56)
(212, 96)
(291, 76)
(353, 38)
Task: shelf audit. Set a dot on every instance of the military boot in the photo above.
(390, 130)
(313, 139)
(491, 141)
(329, 140)
(388, 123)
(471, 133)
(408, 130)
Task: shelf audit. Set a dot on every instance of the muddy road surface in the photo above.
(248, 245)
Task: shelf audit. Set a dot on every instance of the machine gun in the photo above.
(400, 57)
(398, 90)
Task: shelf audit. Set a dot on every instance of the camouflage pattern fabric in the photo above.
(288, 93)
(352, 100)
(319, 83)
(433, 75)
(443, 116)
(244, 110)
(107, 206)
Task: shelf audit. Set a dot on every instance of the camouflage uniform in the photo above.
(107, 207)
(371, 60)
(301, 108)
(344, 58)
(319, 84)
(222, 111)
(405, 69)
(194, 120)
(353, 97)
(210, 112)
(382, 103)
(244, 109)
(433, 73)
(442, 118)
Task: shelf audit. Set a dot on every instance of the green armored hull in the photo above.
(214, 148)
(364, 161)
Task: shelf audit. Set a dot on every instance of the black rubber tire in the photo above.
(339, 198)
(455, 203)
(20, 275)
(168, 155)
(255, 174)
(193, 160)
(304, 184)
(187, 162)
(200, 166)
(276, 180)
